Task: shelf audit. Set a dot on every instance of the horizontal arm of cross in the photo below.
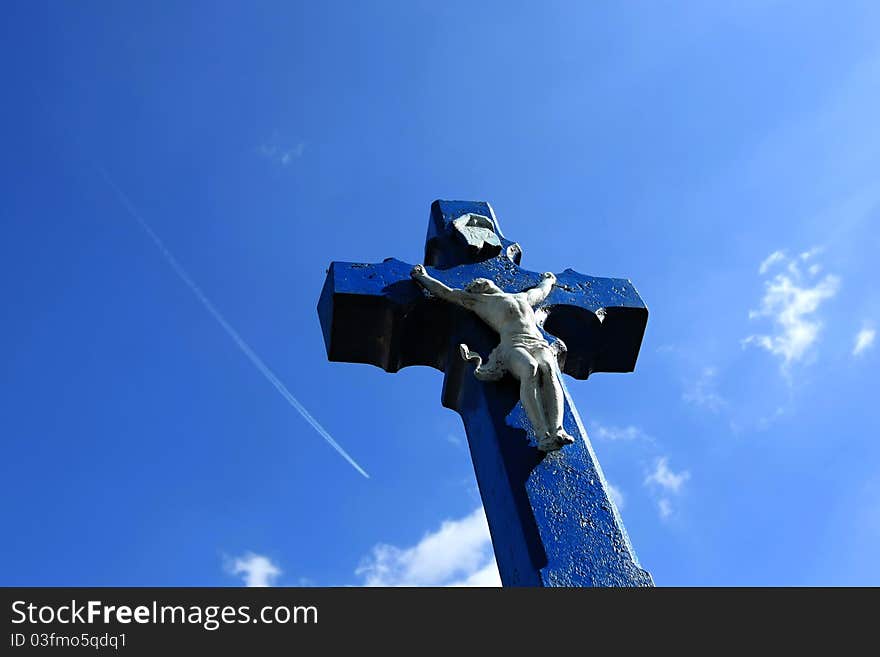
(601, 320)
(376, 314)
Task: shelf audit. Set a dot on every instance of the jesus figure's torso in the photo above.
(510, 315)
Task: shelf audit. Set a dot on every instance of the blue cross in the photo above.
(552, 520)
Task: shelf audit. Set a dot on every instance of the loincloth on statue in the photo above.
(495, 366)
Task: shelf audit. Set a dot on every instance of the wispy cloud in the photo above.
(763, 422)
(665, 478)
(770, 260)
(665, 483)
(254, 569)
(459, 553)
(702, 391)
(615, 433)
(864, 340)
(276, 151)
(791, 301)
(243, 346)
(664, 507)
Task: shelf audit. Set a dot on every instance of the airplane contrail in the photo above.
(231, 332)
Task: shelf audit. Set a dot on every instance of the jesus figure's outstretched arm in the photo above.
(540, 292)
(441, 290)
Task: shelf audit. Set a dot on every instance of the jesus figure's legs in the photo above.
(550, 393)
(525, 368)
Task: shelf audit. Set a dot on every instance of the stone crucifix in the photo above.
(552, 519)
(523, 350)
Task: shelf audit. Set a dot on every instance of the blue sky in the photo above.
(723, 156)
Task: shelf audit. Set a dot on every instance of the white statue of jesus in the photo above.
(523, 350)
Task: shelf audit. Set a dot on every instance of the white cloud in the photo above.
(812, 253)
(282, 154)
(616, 495)
(255, 569)
(864, 340)
(765, 421)
(665, 478)
(485, 577)
(770, 260)
(626, 433)
(664, 483)
(792, 300)
(702, 391)
(459, 553)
